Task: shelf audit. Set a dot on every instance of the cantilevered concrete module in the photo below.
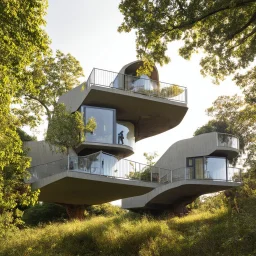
(199, 165)
(73, 187)
(151, 106)
(173, 196)
(128, 108)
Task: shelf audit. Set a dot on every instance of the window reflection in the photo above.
(105, 125)
(225, 140)
(125, 133)
(215, 168)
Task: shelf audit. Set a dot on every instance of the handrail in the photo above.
(107, 165)
(153, 88)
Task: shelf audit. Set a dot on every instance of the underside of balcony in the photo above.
(150, 115)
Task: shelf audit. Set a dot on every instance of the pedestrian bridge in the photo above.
(99, 178)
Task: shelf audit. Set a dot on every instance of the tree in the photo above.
(240, 117)
(21, 34)
(51, 76)
(15, 195)
(237, 115)
(225, 31)
(221, 127)
(145, 172)
(66, 130)
(150, 157)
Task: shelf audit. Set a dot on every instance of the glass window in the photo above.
(104, 133)
(190, 162)
(125, 133)
(215, 168)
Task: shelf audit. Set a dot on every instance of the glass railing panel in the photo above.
(178, 174)
(108, 165)
(234, 174)
(46, 170)
(189, 173)
(226, 140)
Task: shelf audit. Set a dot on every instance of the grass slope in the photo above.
(201, 233)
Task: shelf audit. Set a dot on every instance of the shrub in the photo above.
(44, 213)
(104, 209)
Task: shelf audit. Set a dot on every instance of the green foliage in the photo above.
(21, 34)
(104, 210)
(66, 130)
(50, 76)
(240, 119)
(44, 213)
(167, 92)
(221, 126)
(224, 30)
(24, 136)
(150, 158)
(212, 233)
(145, 173)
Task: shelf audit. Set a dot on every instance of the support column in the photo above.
(75, 211)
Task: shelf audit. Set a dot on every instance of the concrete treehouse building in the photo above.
(199, 165)
(128, 108)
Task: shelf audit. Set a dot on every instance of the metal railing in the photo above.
(227, 140)
(137, 85)
(187, 173)
(103, 164)
(99, 164)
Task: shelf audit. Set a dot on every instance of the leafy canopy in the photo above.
(21, 35)
(66, 130)
(50, 76)
(224, 30)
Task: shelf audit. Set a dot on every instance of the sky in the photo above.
(88, 31)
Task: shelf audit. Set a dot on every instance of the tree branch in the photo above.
(251, 20)
(193, 21)
(243, 39)
(48, 112)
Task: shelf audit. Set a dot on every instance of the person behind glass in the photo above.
(121, 137)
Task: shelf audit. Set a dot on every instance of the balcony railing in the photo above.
(227, 140)
(138, 85)
(187, 173)
(107, 165)
(98, 164)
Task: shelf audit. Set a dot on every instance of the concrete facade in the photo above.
(141, 108)
(182, 188)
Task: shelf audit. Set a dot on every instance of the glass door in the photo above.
(199, 168)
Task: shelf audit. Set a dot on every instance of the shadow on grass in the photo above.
(222, 233)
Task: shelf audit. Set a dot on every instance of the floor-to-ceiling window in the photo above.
(105, 120)
(214, 168)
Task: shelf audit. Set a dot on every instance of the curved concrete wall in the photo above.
(41, 153)
(183, 191)
(201, 145)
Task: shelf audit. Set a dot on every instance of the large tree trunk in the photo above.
(75, 211)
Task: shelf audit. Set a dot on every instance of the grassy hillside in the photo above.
(220, 232)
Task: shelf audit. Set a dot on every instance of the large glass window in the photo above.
(215, 168)
(104, 133)
(125, 134)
